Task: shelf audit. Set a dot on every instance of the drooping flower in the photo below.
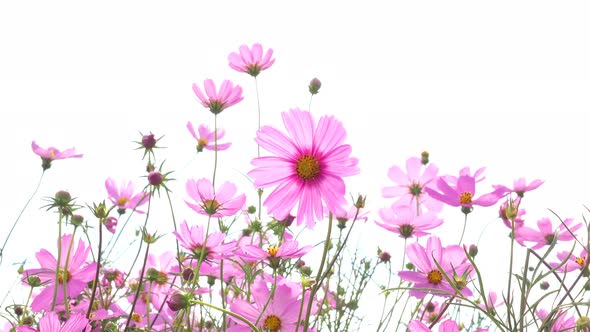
(411, 185)
(75, 277)
(217, 101)
(123, 196)
(307, 167)
(209, 202)
(251, 61)
(520, 186)
(402, 220)
(50, 322)
(50, 154)
(428, 277)
(206, 138)
(546, 234)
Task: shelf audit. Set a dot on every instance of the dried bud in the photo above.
(314, 86)
(425, 157)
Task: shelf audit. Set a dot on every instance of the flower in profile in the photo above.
(75, 277)
(123, 196)
(251, 60)
(558, 323)
(492, 303)
(111, 224)
(569, 262)
(428, 277)
(307, 168)
(520, 186)
(50, 154)
(446, 326)
(546, 234)
(209, 202)
(411, 185)
(511, 209)
(50, 322)
(286, 250)
(217, 101)
(402, 220)
(206, 138)
(210, 245)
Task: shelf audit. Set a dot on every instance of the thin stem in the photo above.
(18, 218)
(147, 250)
(464, 227)
(65, 279)
(58, 263)
(95, 282)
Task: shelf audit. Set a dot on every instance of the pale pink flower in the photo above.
(402, 220)
(209, 202)
(286, 250)
(428, 277)
(50, 322)
(124, 196)
(76, 276)
(307, 167)
(194, 238)
(492, 303)
(520, 186)
(569, 262)
(546, 234)
(206, 138)
(51, 153)
(560, 323)
(518, 220)
(217, 101)
(251, 61)
(446, 326)
(410, 185)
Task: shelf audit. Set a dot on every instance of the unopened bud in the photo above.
(583, 324)
(385, 257)
(148, 141)
(473, 250)
(179, 300)
(314, 86)
(425, 157)
(188, 274)
(155, 178)
(77, 220)
(544, 285)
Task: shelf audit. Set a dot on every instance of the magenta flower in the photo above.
(206, 138)
(410, 188)
(194, 238)
(51, 154)
(463, 193)
(111, 224)
(546, 235)
(569, 262)
(402, 220)
(282, 311)
(211, 203)
(227, 96)
(50, 322)
(520, 186)
(123, 196)
(518, 221)
(428, 277)
(251, 61)
(307, 168)
(286, 250)
(560, 323)
(75, 277)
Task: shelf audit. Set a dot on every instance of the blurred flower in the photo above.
(307, 168)
(560, 322)
(123, 196)
(50, 154)
(209, 202)
(193, 239)
(520, 186)
(569, 262)
(206, 138)
(505, 208)
(314, 86)
(50, 322)
(227, 96)
(546, 235)
(251, 61)
(111, 224)
(446, 326)
(402, 220)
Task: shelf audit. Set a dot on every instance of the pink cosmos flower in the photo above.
(569, 262)
(560, 323)
(446, 326)
(193, 239)
(463, 193)
(492, 302)
(410, 188)
(209, 202)
(111, 224)
(50, 154)
(546, 235)
(76, 276)
(123, 196)
(50, 322)
(251, 61)
(227, 96)
(307, 168)
(282, 311)
(428, 278)
(402, 220)
(206, 138)
(286, 250)
(518, 221)
(520, 186)
(430, 312)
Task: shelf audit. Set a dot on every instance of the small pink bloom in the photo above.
(518, 221)
(286, 250)
(217, 101)
(561, 323)
(307, 167)
(446, 326)
(193, 239)
(206, 138)
(251, 61)
(546, 234)
(569, 262)
(492, 303)
(123, 196)
(209, 202)
(51, 153)
(111, 224)
(520, 186)
(402, 220)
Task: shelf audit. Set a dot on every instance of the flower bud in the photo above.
(18, 310)
(77, 220)
(34, 281)
(62, 198)
(425, 157)
(148, 141)
(251, 209)
(179, 300)
(155, 178)
(314, 86)
(582, 324)
(385, 257)
(473, 250)
(544, 285)
(188, 274)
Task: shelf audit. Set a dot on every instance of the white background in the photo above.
(500, 84)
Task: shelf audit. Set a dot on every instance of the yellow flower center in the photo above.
(202, 142)
(211, 206)
(136, 317)
(51, 153)
(272, 323)
(63, 275)
(272, 250)
(435, 277)
(465, 198)
(307, 167)
(581, 261)
(122, 201)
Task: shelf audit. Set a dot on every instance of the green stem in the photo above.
(147, 250)
(464, 227)
(95, 282)
(225, 311)
(58, 262)
(65, 277)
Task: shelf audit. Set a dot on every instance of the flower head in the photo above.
(209, 202)
(50, 154)
(546, 234)
(251, 60)
(520, 186)
(402, 219)
(123, 196)
(569, 262)
(307, 167)
(206, 138)
(210, 245)
(50, 322)
(217, 101)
